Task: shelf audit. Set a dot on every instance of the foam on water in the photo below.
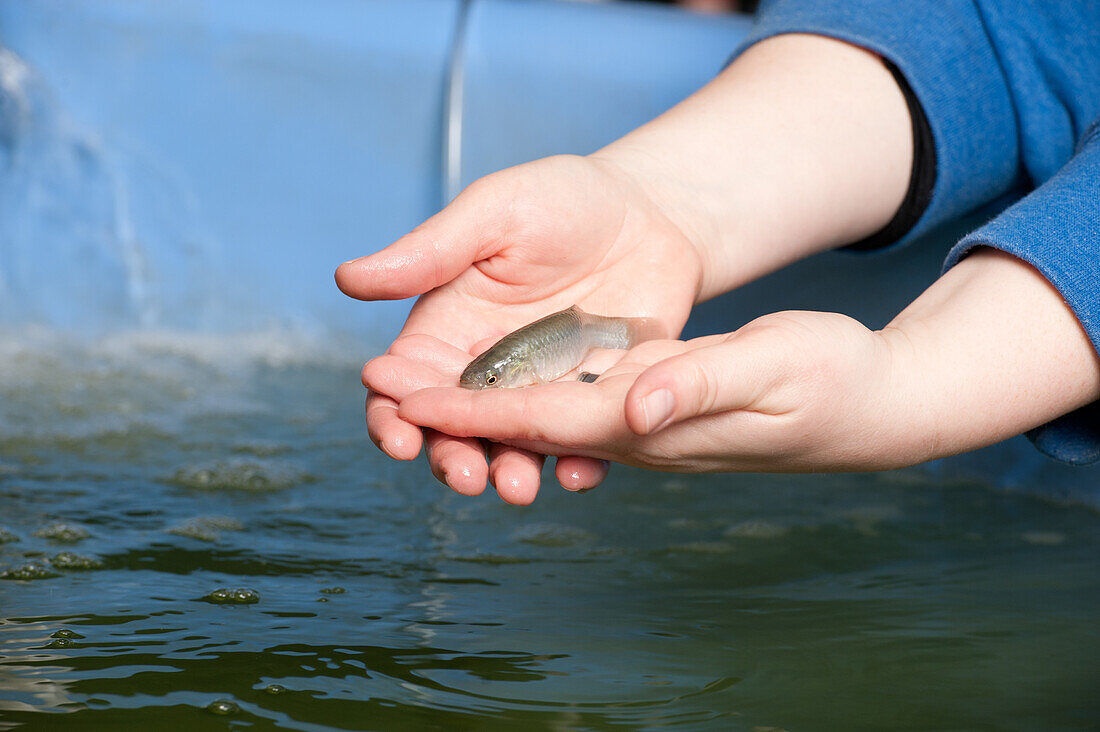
(62, 533)
(206, 528)
(240, 475)
(56, 386)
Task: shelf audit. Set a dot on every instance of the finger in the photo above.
(393, 435)
(515, 473)
(392, 377)
(468, 230)
(396, 376)
(563, 413)
(457, 462)
(716, 378)
(580, 474)
(429, 350)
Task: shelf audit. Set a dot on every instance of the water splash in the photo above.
(93, 234)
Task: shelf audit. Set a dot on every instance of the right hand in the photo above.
(515, 246)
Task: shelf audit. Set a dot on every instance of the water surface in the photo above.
(141, 475)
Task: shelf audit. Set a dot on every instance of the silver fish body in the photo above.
(550, 348)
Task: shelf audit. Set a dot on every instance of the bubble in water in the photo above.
(675, 486)
(65, 633)
(260, 448)
(72, 560)
(62, 532)
(196, 531)
(222, 707)
(1044, 538)
(240, 475)
(274, 689)
(59, 643)
(234, 596)
(867, 519)
(686, 524)
(30, 571)
(224, 523)
(755, 529)
(7, 537)
(206, 528)
(552, 535)
(702, 547)
(333, 590)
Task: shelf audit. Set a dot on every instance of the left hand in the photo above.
(791, 391)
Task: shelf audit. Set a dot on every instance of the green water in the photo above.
(375, 599)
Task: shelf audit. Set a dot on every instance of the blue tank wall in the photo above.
(237, 152)
(208, 164)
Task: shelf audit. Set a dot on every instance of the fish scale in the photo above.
(551, 347)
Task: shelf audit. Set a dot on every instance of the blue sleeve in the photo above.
(1008, 86)
(945, 54)
(1056, 229)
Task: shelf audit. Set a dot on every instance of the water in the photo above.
(210, 541)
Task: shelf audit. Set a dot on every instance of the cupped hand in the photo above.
(513, 247)
(793, 391)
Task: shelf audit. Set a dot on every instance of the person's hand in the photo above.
(989, 351)
(788, 392)
(513, 247)
(801, 144)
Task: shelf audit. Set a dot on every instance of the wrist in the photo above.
(803, 144)
(989, 351)
(664, 190)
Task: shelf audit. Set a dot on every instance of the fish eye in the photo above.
(490, 378)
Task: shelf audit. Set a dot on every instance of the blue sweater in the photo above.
(1011, 90)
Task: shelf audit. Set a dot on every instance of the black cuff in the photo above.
(921, 180)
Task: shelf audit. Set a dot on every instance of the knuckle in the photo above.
(410, 344)
(377, 374)
(660, 454)
(705, 388)
(369, 374)
(480, 188)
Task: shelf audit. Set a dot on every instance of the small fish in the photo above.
(552, 347)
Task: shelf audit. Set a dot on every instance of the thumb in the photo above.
(706, 380)
(468, 230)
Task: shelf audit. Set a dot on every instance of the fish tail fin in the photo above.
(644, 329)
(622, 333)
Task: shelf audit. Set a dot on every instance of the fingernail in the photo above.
(392, 447)
(657, 408)
(382, 446)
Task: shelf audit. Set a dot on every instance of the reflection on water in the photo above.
(143, 476)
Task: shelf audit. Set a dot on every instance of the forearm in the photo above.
(803, 144)
(991, 350)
